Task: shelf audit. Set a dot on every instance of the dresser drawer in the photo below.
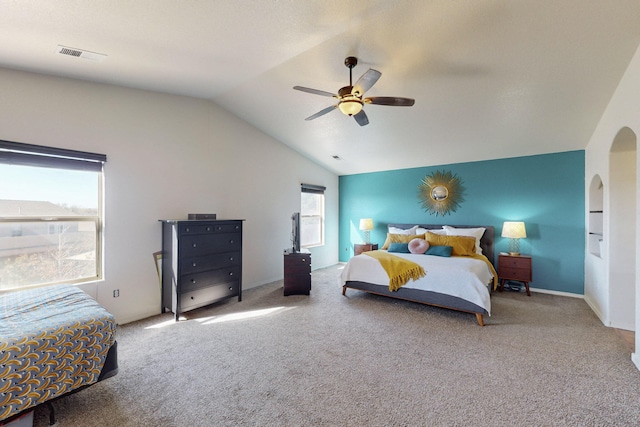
(297, 287)
(208, 227)
(209, 278)
(297, 264)
(202, 244)
(364, 247)
(514, 262)
(205, 296)
(521, 274)
(209, 262)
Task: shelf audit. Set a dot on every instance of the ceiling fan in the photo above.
(350, 98)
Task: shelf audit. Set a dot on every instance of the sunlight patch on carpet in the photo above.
(243, 315)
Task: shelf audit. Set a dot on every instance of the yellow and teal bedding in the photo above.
(53, 340)
(448, 282)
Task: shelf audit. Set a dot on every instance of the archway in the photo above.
(622, 230)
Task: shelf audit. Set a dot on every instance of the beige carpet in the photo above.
(364, 360)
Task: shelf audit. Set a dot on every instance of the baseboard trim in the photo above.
(562, 294)
(597, 312)
(635, 358)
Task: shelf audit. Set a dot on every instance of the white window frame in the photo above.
(317, 190)
(62, 159)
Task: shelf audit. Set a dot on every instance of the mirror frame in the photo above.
(455, 193)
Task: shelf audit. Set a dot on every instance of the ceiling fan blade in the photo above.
(366, 81)
(362, 118)
(390, 100)
(322, 112)
(314, 91)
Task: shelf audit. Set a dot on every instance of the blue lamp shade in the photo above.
(514, 230)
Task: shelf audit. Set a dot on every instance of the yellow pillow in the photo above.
(462, 245)
(400, 238)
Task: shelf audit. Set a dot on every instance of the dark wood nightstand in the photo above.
(514, 267)
(358, 248)
(297, 273)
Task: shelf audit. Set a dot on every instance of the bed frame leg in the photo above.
(480, 319)
(344, 291)
(52, 414)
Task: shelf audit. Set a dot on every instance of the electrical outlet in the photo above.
(116, 293)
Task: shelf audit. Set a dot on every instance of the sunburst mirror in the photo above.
(441, 193)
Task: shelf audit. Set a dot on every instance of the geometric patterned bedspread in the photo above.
(53, 340)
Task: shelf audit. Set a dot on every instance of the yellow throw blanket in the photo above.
(399, 270)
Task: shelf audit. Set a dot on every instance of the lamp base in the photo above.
(514, 247)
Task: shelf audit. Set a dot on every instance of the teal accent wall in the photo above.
(545, 191)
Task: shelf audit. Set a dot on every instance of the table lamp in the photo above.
(515, 231)
(366, 225)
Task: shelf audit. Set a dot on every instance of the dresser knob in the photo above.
(208, 228)
(230, 258)
(193, 281)
(231, 241)
(194, 264)
(186, 229)
(191, 297)
(194, 245)
(304, 260)
(231, 273)
(230, 288)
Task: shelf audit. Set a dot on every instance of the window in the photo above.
(312, 216)
(50, 215)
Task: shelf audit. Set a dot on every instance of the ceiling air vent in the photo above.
(79, 53)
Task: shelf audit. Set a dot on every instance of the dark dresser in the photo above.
(297, 273)
(201, 263)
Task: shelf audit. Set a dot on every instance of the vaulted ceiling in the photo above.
(490, 78)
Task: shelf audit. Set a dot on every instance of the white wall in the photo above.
(623, 111)
(168, 156)
(622, 176)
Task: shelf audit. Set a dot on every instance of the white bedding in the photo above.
(462, 277)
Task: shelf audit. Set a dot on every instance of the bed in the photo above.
(462, 283)
(54, 341)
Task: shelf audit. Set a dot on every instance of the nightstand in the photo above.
(297, 273)
(358, 248)
(514, 267)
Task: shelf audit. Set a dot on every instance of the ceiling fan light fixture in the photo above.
(350, 101)
(351, 106)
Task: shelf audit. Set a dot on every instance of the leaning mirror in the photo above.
(441, 193)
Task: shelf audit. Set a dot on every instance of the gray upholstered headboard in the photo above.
(486, 242)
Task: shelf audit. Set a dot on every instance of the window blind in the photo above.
(310, 188)
(17, 153)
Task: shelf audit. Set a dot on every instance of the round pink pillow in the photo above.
(418, 246)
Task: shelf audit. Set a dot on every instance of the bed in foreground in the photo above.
(54, 341)
(461, 283)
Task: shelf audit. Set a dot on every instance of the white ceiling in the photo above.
(491, 79)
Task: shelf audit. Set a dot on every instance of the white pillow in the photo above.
(409, 231)
(472, 232)
(439, 231)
